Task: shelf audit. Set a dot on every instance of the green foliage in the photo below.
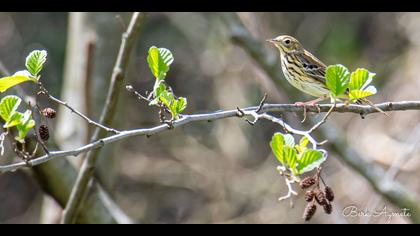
(35, 61)
(12, 118)
(8, 106)
(34, 64)
(337, 79)
(297, 158)
(359, 84)
(353, 86)
(10, 81)
(26, 123)
(310, 159)
(159, 60)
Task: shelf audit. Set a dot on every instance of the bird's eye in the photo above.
(287, 41)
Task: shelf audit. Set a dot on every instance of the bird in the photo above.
(306, 72)
(301, 68)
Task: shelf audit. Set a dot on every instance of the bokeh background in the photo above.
(223, 171)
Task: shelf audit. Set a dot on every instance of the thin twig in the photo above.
(45, 92)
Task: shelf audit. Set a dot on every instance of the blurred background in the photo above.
(223, 171)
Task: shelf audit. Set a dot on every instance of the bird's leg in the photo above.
(311, 103)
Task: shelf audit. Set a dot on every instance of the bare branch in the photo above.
(186, 119)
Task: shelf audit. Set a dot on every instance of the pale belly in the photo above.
(306, 87)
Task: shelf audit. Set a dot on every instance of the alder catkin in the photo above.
(307, 182)
(327, 208)
(49, 113)
(44, 133)
(329, 194)
(309, 195)
(309, 211)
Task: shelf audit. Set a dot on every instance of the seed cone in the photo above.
(309, 195)
(329, 194)
(307, 182)
(44, 133)
(320, 197)
(327, 208)
(309, 211)
(49, 113)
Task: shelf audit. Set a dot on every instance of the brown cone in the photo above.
(309, 195)
(329, 194)
(307, 182)
(49, 113)
(44, 133)
(309, 211)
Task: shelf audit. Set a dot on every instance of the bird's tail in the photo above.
(362, 101)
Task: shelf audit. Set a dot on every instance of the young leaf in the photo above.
(310, 160)
(8, 106)
(289, 140)
(360, 79)
(158, 90)
(302, 144)
(277, 144)
(26, 124)
(14, 120)
(35, 61)
(159, 61)
(181, 104)
(291, 157)
(304, 141)
(337, 78)
(10, 81)
(167, 98)
(357, 94)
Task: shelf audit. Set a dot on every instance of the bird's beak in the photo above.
(270, 40)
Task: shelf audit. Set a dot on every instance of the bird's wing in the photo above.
(313, 66)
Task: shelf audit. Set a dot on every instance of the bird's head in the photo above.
(286, 43)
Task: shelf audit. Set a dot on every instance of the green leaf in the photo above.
(26, 124)
(301, 147)
(35, 61)
(158, 90)
(357, 94)
(310, 160)
(167, 98)
(14, 120)
(8, 106)
(289, 140)
(360, 79)
(181, 104)
(159, 60)
(304, 141)
(17, 78)
(291, 157)
(337, 79)
(277, 143)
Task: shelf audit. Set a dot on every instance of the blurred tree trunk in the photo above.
(83, 88)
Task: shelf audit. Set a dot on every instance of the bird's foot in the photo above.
(313, 103)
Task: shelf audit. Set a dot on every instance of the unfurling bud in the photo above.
(44, 133)
(309, 211)
(309, 195)
(49, 113)
(307, 182)
(320, 197)
(327, 208)
(329, 194)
